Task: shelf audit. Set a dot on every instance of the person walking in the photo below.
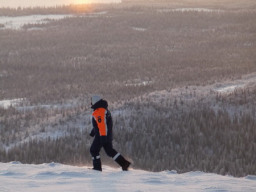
(102, 132)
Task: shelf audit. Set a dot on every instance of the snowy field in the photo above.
(17, 177)
(16, 23)
(190, 9)
(19, 22)
(11, 102)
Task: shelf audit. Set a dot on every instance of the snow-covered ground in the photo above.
(197, 10)
(190, 9)
(231, 86)
(11, 102)
(17, 23)
(140, 29)
(196, 93)
(53, 177)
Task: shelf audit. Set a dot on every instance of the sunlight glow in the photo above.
(82, 7)
(49, 3)
(82, 2)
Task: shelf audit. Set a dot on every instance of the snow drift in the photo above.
(53, 177)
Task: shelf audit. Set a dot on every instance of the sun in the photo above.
(82, 6)
(79, 2)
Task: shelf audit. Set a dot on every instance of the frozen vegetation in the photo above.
(180, 80)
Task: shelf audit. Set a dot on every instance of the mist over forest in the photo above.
(161, 65)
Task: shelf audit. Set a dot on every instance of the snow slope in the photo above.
(53, 177)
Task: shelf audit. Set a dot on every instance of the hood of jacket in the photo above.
(100, 104)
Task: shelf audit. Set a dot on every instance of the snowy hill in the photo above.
(17, 177)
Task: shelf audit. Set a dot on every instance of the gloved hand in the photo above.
(103, 140)
(92, 134)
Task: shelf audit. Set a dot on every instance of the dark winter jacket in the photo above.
(102, 122)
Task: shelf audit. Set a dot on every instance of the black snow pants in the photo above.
(110, 151)
(97, 145)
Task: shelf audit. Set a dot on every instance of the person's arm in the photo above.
(94, 124)
(92, 134)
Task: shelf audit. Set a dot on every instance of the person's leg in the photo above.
(122, 162)
(95, 153)
(111, 152)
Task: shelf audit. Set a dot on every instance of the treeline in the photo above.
(17, 125)
(61, 9)
(72, 149)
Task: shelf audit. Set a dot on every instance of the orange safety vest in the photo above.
(100, 117)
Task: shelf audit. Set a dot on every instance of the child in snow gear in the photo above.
(102, 133)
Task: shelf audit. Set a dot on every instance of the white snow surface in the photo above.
(16, 23)
(19, 22)
(198, 9)
(8, 103)
(54, 177)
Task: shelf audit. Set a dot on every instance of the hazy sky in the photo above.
(33, 3)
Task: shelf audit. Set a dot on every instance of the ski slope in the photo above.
(53, 177)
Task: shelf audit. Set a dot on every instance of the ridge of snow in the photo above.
(55, 177)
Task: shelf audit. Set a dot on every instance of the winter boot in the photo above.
(97, 163)
(122, 161)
